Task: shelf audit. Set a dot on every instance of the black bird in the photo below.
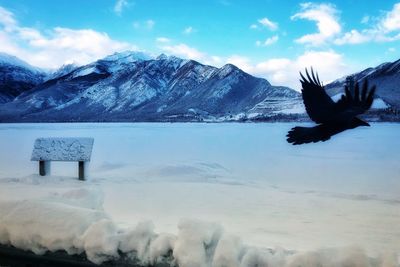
(331, 117)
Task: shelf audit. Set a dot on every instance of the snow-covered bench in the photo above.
(46, 150)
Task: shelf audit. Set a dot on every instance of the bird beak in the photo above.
(366, 124)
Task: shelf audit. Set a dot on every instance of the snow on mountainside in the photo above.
(6, 59)
(63, 70)
(17, 76)
(385, 76)
(127, 57)
(132, 86)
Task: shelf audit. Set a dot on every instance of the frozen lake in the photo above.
(245, 177)
(365, 160)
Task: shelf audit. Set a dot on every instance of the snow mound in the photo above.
(60, 223)
(41, 225)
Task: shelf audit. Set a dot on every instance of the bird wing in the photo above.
(319, 106)
(322, 132)
(355, 103)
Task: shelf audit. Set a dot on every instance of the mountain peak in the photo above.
(168, 57)
(162, 57)
(63, 70)
(229, 66)
(128, 56)
(15, 61)
(227, 69)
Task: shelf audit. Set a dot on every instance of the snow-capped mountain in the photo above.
(132, 86)
(385, 76)
(63, 70)
(17, 76)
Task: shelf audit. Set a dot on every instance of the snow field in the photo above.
(207, 195)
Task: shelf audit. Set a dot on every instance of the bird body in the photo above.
(331, 117)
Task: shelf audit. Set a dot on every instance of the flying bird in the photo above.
(331, 117)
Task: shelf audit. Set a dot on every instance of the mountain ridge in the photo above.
(16, 77)
(385, 76)
(132, 87)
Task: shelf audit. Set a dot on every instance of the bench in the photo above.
(46, 150)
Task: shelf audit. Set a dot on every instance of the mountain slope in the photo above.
(132, 87)
(16, 77)
(386, 76)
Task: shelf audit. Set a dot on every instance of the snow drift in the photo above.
(75, 222)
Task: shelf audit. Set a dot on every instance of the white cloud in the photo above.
(188, 30)
(214, 61)
(365, 36)
(273, 26)
(7, 45)
(7, 19)
(119, 6)
(150, 24)
(387, 29)
(268, 41)
(382, 38)
(391, 22)
(147, 25)
(242, 62)
(285, 71)
(352, 37)
(271, 40)
(253, 26)
(163, 40)
(187, 52)
(136, 24)
(325, 15)
(81, 46)
(52, 48)
(365, 19)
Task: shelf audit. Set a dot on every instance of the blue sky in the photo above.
(271, 39)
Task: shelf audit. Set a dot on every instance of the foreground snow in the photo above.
(212, 195)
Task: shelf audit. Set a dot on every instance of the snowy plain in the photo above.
(214, 194)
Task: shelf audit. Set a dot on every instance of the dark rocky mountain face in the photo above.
(385, 76)
(16, 77)
(132, 87)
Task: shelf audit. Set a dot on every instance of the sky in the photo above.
(269, 39)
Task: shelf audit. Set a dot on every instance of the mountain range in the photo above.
(385, 76)
(132, 86)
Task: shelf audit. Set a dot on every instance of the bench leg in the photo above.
(81, 170)
(44, 167)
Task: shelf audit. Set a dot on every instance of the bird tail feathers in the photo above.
(303, 135)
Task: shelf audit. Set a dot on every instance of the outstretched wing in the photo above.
(355, 103)
(319, 105)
